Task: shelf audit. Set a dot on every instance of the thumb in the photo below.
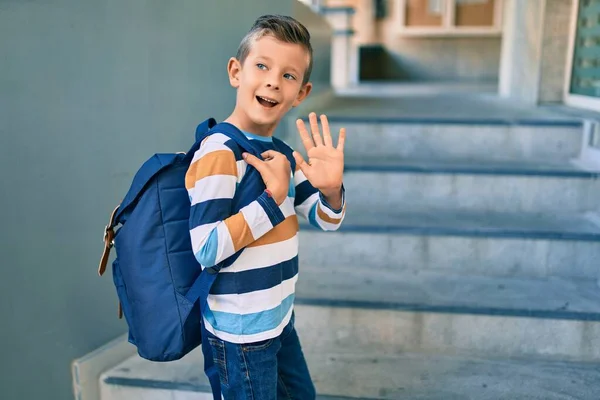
(252, 160)
(303, 165)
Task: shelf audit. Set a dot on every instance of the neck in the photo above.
(242, 122)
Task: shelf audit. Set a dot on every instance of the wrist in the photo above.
(278, 198)
(332, 193)
(333, 198)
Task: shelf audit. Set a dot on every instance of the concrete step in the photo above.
(447, 125)
(500, 244)
(458, 138)
(375, 311)
(139, 379)
(483, 185)
(347, 375)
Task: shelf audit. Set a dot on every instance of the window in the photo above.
(449, 17)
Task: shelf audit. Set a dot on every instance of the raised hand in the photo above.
(275, 171)
(325, 166)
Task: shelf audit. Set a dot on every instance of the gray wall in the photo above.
(320, 35)
(88, 90)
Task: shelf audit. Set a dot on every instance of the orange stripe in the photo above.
(326, 218)
(284, 231)
(239, 231)
(220, 162)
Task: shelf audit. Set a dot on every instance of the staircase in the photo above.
(466, 268)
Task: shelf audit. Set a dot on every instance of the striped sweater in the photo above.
(255, 240)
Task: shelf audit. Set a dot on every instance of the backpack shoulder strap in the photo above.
(234, 134)
(148, 170)
(154, 165)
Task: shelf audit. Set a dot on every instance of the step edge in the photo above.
(456, 121)
(451, 309)
(444, 170)
(146, 383)
(462, 232)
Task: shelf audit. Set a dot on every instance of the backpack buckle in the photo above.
(109, 242)
(109, 233)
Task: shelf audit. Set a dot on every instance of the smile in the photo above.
(266, 102)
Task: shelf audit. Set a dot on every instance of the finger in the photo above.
(341, 139)
(314, 127)
(254, 161)
(326, 132)
(306, 140)
(270, 154)
(300, 163)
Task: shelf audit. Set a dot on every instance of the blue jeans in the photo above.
(267, 370)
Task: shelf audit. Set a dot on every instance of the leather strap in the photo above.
(109, 235)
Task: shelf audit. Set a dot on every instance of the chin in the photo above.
(262, 121)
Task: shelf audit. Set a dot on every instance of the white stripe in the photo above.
(326, 226)
(250, 338)
(213, 187)
(199, 235)
(287, 207)
(299, 177)
(213, 143)
(225, 248)
(257, 219)
(265, 256)
(253, 302)
(329, 211)
(304, 208)
(241, 170)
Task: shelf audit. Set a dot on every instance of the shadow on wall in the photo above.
(320, 32)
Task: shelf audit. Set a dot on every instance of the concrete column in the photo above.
(364, 23)
(521, 54)
(344, 59)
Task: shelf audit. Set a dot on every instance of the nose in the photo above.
(273, 81)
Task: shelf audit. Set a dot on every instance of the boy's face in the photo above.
(269, 82)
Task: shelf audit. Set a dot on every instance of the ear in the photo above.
(302, 94)
(233, 70)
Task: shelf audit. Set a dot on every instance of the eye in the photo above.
(261, 66)
(290, 77)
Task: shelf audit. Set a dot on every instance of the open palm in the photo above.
(325, 166)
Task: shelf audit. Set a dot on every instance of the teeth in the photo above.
(267, 100)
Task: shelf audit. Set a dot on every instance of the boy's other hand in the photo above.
(325, 166)
(275, 171)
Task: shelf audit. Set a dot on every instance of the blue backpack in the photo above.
(161, 288)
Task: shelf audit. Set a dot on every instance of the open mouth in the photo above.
(265, 102)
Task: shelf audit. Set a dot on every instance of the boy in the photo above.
(250, 318)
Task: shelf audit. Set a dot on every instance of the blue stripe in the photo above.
(259, 322)
(312, 216)
(292, 189)
(210, 211)
(233, 146)
(208, 253)
(303, 192)
(271, 208)
(255, 279)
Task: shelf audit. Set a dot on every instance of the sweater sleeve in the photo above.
(311, 204)
(211, 182)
